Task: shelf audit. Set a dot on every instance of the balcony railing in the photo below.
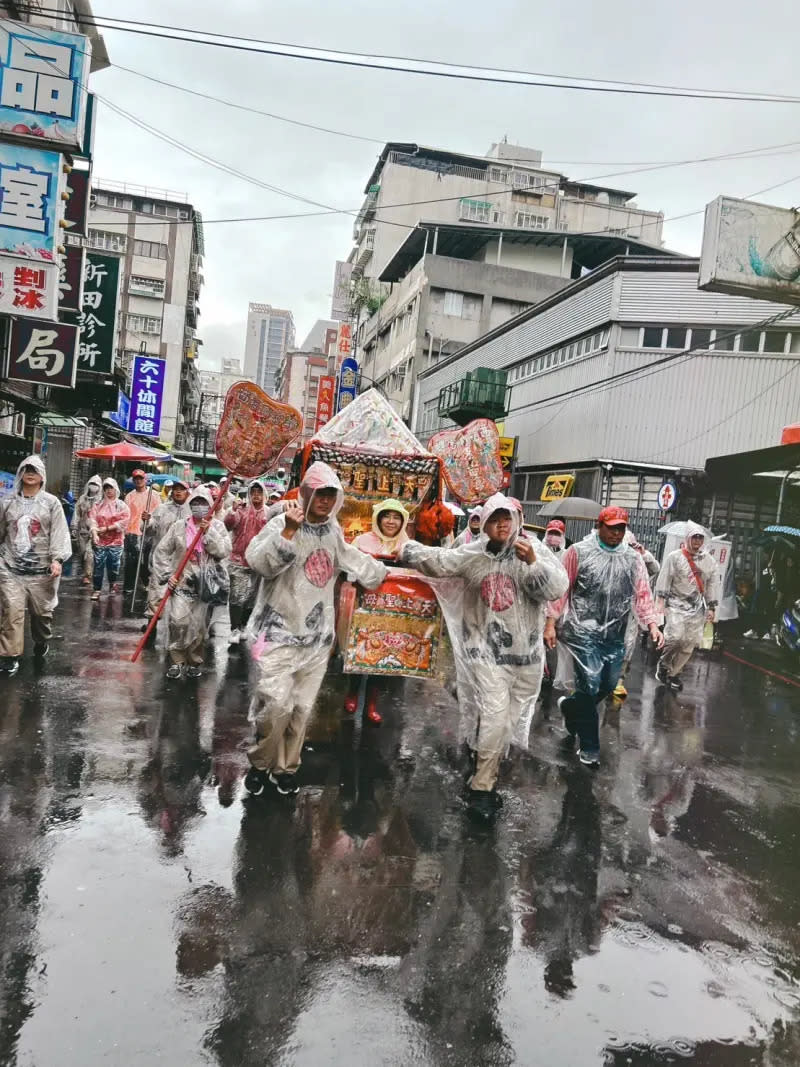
(480, 394)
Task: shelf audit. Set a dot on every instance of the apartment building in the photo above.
(446, 286)
(159, 236)
(270, 335)
(508, 187)
(214, 385)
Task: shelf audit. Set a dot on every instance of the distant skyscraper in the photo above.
(270, 332)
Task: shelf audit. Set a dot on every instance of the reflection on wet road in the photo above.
(648, 914)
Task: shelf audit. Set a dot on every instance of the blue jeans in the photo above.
(107, 559)
(597, 672)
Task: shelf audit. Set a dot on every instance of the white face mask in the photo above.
(199, 511)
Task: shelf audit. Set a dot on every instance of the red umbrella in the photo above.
(124, 450)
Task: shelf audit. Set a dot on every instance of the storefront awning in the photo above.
(729, 472)
(60, 421)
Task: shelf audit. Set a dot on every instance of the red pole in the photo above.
(176, 577)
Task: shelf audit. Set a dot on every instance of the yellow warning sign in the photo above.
(558, 486)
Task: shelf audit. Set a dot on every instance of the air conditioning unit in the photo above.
(18, 426)
(92, 199)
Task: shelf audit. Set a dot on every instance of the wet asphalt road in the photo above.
(643, 915)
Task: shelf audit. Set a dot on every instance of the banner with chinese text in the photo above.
(28, 289)
(43, 353)
(147, 395)
(31, 207)
(97, 318)
(327, 385)
(348, 383)
(44, 75)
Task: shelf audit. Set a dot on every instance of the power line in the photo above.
(436, 68)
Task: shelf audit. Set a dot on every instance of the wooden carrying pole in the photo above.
(176, 577)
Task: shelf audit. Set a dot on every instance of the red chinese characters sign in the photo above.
(29, 290)
(327, 386)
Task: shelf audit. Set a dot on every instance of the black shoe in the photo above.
(40, 649)
(286, 784)
(255, 782)
(567, 744)
(589, 757)
(175, 671)
(661, 675)
(481, 806)
(675, 684)
(194, 672)
(9, 665)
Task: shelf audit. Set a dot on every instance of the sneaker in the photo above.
(95, 595)
(675, 684)
(286, 784)
(40, 649)
(175, 670)
(235, 637)
(661, 675)
(255, 782)
(194, 672)
(9, 665)
(480, 805)
(589, 757)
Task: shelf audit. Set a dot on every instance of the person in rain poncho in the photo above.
(189, 607)
(108, 521)
(688, 589)
(90, 496)
(607, 579)
(555, 537)
(495, 618)
(634, 628)
(299, 556)
(244, 521)
(388, 534)
(472, 531)
(34, 543)
(173, 509)
(142, 501)
(387, 537)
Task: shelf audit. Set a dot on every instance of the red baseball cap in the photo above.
(138, 474)
(613, 516)
(556, 524)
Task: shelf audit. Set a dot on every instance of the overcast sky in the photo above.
(712, 43)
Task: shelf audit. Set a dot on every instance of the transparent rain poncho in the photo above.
(33, 530)
(606, 584)
(188, 611)
(90, 496)
(494, 606)
(244, 524)
(653, 567)
(291, 629)
(466, 537)
(685, 604)
(33, 535)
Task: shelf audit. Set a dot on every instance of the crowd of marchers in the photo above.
(528, 611)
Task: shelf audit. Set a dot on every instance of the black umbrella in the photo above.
(571, 507)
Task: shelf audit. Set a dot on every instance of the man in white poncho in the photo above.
(495, 618)
(687, 590)
(299, 555)
(34, 543)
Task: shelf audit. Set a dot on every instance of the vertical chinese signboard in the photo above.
(43, 353)
(31, 205)
(44, 75)
(344, 342)
(327, 385)
(348, 383)
(97, 318)
(147, 394)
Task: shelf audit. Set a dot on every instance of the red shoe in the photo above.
(351, 704)
(373, 714)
